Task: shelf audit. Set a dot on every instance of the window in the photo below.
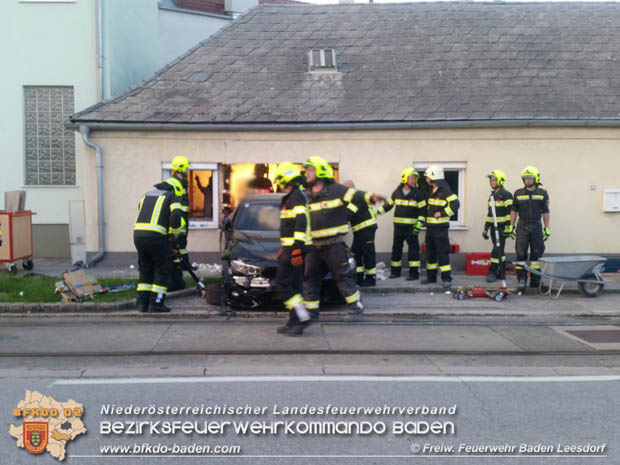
(454, 174)
(322, 60)
(49, 147)
(203, 192)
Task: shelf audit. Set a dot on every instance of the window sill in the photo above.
(49, 186)
(202, 225)
(455, 228)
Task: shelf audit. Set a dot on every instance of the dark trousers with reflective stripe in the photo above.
(438, 253)
(289, 282)
(529, 236)
(498, 254)
(154, 259)
(402, 233)
(363, 249)
(337, 259)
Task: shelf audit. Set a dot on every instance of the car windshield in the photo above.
(258, 217)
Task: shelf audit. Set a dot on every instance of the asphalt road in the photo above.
(489, 411)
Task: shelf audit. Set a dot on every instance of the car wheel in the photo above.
(214, 294)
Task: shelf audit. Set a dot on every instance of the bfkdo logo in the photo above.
(35, 436)
(48, 424)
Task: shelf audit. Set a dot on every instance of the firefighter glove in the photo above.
(485, 233)
(296, 258)
(546, 233)
(181, 241)
(509, 231)
(418, 227)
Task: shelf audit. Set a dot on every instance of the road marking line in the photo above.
(272, 379)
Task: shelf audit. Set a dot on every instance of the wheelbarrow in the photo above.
(585, 270)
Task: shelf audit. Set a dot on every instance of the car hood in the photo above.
(254, 247)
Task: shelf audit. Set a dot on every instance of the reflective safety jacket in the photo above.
(443, 201)
(294, 220)
(331, 207)
(159, 212)
(180, 190)
(531, 204)
(410, 208)
(503, 207)
(362, 217)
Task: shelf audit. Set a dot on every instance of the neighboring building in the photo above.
(471, 86)
(51, 68)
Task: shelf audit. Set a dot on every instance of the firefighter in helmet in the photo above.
(503, 206)
(531, 206)
(295, 239)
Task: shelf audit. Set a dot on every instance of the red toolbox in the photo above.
(477, 264)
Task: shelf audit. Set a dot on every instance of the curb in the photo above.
(81, 307)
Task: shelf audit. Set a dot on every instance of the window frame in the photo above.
(213, 167)
(460, 167)
(25, 88)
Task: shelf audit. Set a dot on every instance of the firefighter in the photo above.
(409, 217)
(503, 207)
(330, 205)
(442, 205)
(178, 182)
(159, 212)
(530, 203)
(364, 226)
(295, 239)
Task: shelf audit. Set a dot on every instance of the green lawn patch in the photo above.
(33, 287)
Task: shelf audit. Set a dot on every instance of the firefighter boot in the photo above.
(288, 326)
(491, 278)
(370, 281)
(431, 278)
(414, 275)
(158, 305)
(395, 272)
(360, 279)
(355, 311)
(143, 301)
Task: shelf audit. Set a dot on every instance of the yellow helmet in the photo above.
(499, 175)
(531, 171)
(404, 176)
(434, 172)
(286, 172)
(323, 169)
(180, 164)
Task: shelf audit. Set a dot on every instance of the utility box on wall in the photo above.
(612, 200)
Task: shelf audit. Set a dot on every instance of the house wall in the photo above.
(130, 43)
(44, 44)
(178, 32)
(576, 166)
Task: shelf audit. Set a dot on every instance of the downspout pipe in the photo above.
(85, 130)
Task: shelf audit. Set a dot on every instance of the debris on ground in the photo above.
(77, 286)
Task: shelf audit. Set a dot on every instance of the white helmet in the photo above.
(434, 172)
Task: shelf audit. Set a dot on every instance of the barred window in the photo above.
(50, 148)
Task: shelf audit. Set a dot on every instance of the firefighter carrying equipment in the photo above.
(503, 206)
(531, 172)
(404, 176)
(159, 212)
(180, 164)
(434, 172)
(322, 168)
(287, 173)
(294, 220)
(499, 175)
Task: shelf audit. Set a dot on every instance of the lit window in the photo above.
(203, 193)
(454, 174)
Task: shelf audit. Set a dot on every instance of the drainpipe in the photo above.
(85, 130)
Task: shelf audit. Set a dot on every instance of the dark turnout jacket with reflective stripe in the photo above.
(330, 211)
(410, 208)
(444, 201)
(294, 220)
(503, 207)
(180, 190)
(159, 213)
(531, 204)
(362, 218)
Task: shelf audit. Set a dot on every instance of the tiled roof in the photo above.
(397, 62)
